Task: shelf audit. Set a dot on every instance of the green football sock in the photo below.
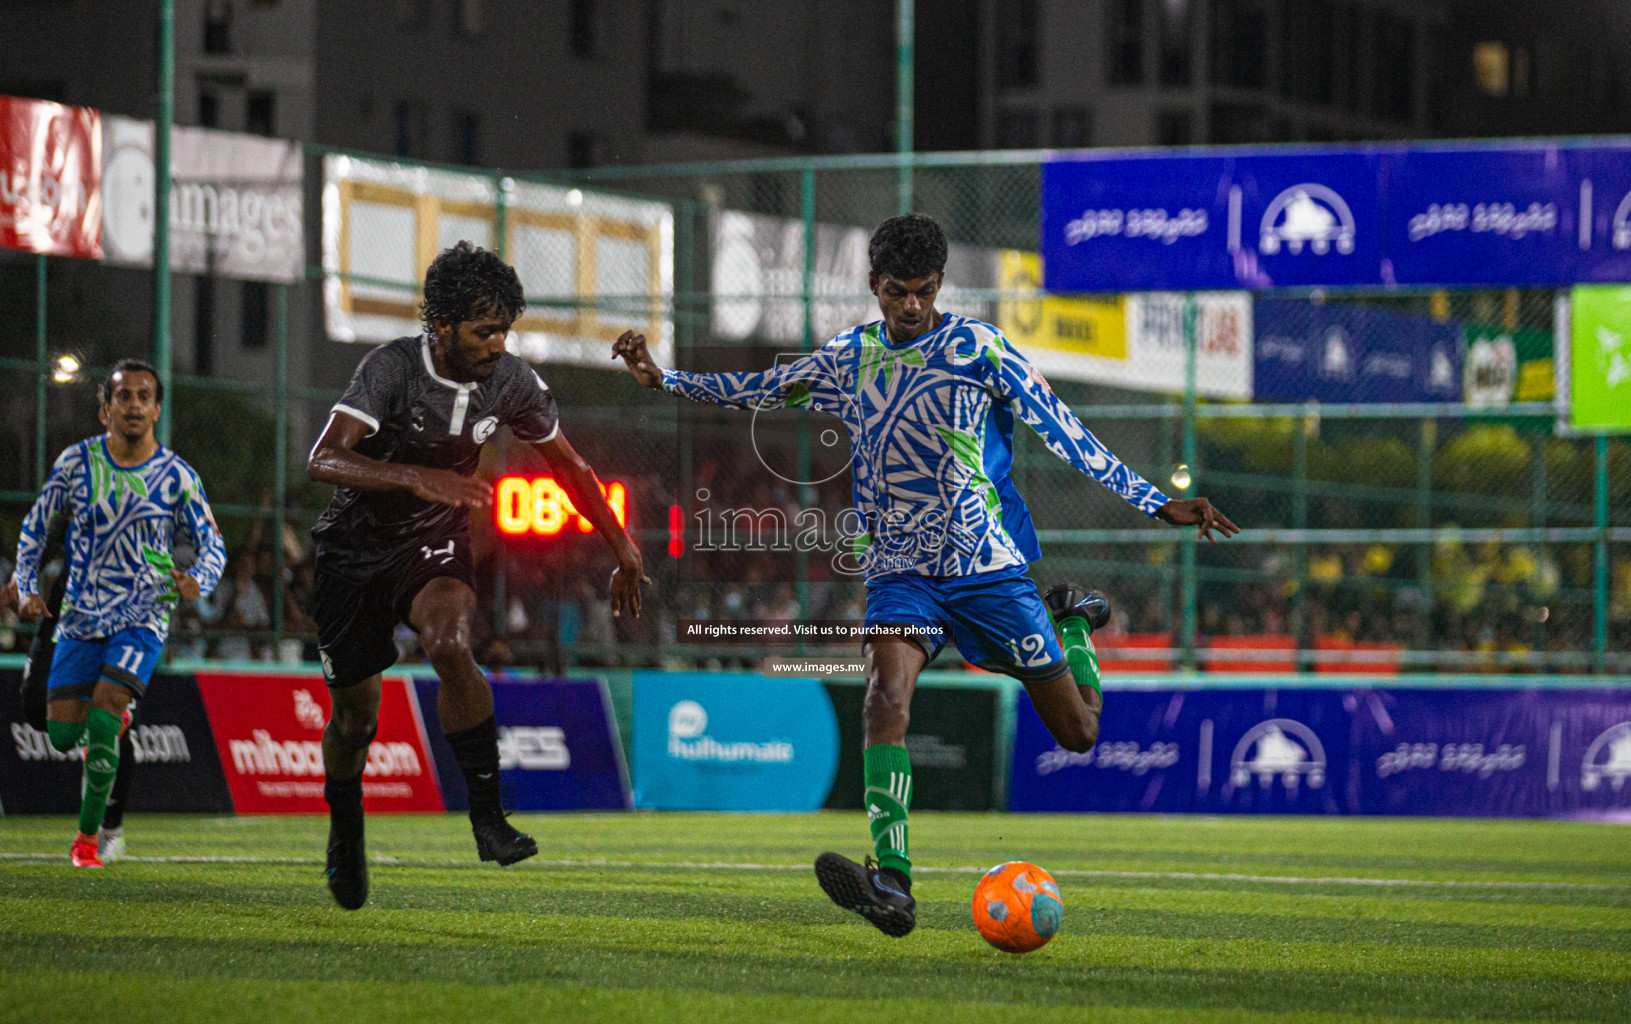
(65, 736)
(101, 767)
(1080, 655)
(888, 796)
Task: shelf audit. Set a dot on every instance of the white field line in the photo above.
(685, 865)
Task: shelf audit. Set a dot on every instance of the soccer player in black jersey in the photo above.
(394, 545)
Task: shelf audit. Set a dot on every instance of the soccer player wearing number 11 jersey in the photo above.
(128, 500)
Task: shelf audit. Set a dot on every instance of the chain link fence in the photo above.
(1446, 535)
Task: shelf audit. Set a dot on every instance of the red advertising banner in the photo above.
(50, 178)
(269, 730)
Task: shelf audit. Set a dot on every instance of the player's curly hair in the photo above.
(908, 247)
(466, 282)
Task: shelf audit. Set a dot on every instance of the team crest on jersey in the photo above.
(484, 428)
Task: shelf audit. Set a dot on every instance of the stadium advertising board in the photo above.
(1540, 214)
(1213, 751)
(952, 743)
(1600, 358)
(1500, 753)
(1505, 366)
(713, 742)
(1135, 341)
(235, 202)
(1529, 752)
(171, 738)
(269, 731)
(593, 265)
(50, 178)
(1210, 222)
(557, 745)
(1335, 352)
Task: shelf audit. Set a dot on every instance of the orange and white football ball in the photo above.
(1017, 907)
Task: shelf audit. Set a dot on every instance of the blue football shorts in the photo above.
(128, 658)
(996, 619)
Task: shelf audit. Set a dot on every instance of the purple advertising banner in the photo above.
(1503, 753)
(557, 745)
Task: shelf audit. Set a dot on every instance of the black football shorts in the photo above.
(356, 622)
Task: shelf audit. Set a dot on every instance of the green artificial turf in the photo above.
(679, 918)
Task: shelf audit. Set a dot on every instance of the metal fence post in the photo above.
(1599, 595)
(161, 206)
(905, 58)
(40, 465)
(280, 456)
(501, 574)
(1537, 520)
(1424, 520)
(807, 211)
(1299, 517)
(1189, 583)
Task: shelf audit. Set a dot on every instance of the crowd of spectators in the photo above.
(543, 602)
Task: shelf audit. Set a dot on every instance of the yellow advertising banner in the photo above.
(1080, 326)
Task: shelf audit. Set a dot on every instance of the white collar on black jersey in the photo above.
(430, 368)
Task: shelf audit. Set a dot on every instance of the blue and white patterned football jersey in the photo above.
(122, 526)
(931, 427)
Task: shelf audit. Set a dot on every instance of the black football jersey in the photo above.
(421, 418)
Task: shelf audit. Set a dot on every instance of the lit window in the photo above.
(1492, 68)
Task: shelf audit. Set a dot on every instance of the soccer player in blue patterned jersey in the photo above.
(128, 499)
(930, 400)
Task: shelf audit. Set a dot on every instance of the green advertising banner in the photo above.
(1600, 358)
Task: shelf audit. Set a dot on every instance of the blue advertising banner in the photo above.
(1487, 217)
(557, 746)
(1128, 225)
(1216, 751)
(1522, 753)
(1345, 353)
(1513, 213)
(708, 741)
(1507, 753)
(1290, 223)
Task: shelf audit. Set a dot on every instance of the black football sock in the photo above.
(344, 798)
(476, 750)
(114, 819)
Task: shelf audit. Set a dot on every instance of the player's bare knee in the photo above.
(445, 648)
(354, 727)
(1078, 734)
(885, 706)
(112, 698)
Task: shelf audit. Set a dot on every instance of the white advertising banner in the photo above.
(758, 279)
(592, 265)
(235, 202)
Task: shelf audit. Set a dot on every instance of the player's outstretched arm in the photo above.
(810, 381)
(1065, 435)
(334, 461)
(577, 478)
(1017, 381)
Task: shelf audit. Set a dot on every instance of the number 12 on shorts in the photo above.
(1035, 651)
